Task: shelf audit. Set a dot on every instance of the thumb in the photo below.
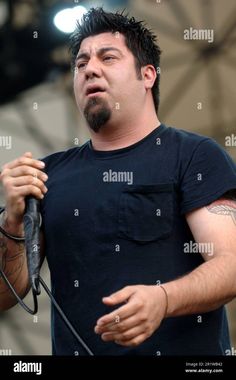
(119, 297)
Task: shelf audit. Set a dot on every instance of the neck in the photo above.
(118, 135)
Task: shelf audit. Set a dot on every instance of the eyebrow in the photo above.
(84, 55)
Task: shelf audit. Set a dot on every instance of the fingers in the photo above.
(20, 178)
(134, 322)
(22, 172)
(128, 332)
(26, 159)
(29, 180)
(126, 336)
(15, 182)
(121, 296)
(123, 325)
(24, 191)
(123, 312)
(130, 308)
(27, 170)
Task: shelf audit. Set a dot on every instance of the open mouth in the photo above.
(94, 90)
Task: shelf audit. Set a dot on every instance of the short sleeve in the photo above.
(210, 173)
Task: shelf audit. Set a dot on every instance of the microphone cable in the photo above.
(36, 278)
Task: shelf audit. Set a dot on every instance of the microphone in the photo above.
(32, 222)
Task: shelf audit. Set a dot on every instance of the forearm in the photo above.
(14, 265)
(206, 288)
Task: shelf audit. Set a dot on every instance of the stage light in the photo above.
(65, 20)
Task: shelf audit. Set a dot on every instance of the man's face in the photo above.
(105, 80)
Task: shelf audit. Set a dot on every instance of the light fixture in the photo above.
(66, 19)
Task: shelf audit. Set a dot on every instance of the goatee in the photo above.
(97, 113)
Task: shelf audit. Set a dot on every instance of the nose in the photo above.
(92, 68)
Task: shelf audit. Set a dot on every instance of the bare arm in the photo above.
(13, 263)
(213, 283)
(18, 182)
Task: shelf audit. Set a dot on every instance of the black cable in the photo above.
(35, 310)
(5, 233)
(22, 304)
(64, 318)
(11, 237)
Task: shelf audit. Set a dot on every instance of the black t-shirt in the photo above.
(117, 218)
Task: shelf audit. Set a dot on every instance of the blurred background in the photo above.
(38, 111)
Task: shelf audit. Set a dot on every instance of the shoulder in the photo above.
(193, 147)
(186, 139)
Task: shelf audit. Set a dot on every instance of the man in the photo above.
(139, 223)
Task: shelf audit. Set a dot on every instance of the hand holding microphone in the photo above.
(23, 184)
(21, 178)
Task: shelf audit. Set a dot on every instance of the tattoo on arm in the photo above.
(11, 263)
(225, 205)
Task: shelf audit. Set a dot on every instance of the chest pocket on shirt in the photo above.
(146, 212)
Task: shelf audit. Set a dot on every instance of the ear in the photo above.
(149, 75)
